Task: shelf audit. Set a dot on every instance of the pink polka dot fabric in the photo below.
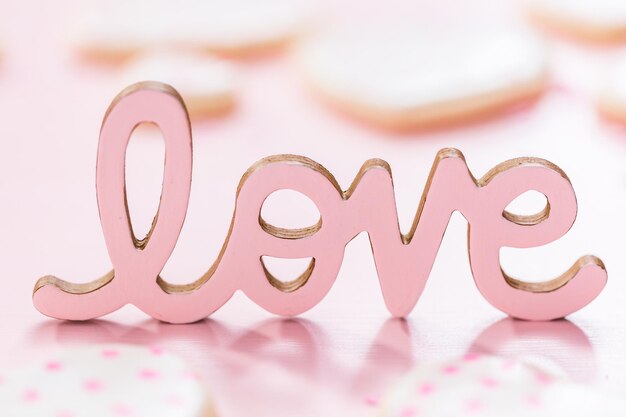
(488, 386)
(105, 381)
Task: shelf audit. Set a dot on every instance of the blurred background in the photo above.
(340, 82)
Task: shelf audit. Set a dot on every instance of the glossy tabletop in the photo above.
(339, 357)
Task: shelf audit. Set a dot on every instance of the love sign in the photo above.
(403, 262)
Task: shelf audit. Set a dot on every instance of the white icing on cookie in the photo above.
(612, 96)
(206, 84)
(105, 381)
(239, 25)
(489, 386)
(403, 72)
(615, 86)
(607, 13)
(118, 28)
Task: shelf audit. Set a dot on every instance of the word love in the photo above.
(403, 262)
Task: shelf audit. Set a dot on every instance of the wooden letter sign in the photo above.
(403, 262)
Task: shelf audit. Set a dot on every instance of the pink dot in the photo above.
(470, 357)
(371, 401)
(31, 395)
(122, 410)
(110, 353)
(408, 412)
(148, 374)
(543, 379)
(93, 385)
(450, 370)
(156, 351)
(533, 401)
(191, 375)
(490, 383)
(474, 405)
(174, 400)
(426, 389)
(53, 366)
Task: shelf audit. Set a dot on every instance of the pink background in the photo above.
(346, 350)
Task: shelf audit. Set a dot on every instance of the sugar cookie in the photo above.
(489, 386)
(405, 79)
(105, 380)
(242, 27)
(116, 30)
(611, 102)
(206, 84)
(591, 20)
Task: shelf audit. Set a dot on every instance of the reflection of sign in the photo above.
(403, 261)
(297, 351)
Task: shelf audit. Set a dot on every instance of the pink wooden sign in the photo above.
(403, 262)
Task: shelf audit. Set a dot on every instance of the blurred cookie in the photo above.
(206, 84)
(612, 98)
(591, 20)
(489, 386)
(115, 30)
(407, 79)
(244, 27)
(103, 381)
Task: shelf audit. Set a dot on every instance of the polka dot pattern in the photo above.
(105, 381)
(488, 386)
